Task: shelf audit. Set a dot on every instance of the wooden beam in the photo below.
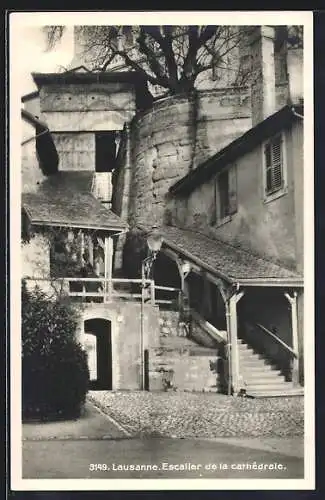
(108, 265)
(295, 340)
(233, 326)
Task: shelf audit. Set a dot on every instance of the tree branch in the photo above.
(170, 55)
(152, 58)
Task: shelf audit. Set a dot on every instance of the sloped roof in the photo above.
(30, 96)
(65, 199)
(33, 120)
(240, 146)
(73, 76)
(231, 263)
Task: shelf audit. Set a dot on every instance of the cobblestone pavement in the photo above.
(201, 415)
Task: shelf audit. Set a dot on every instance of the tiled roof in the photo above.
(231, 262)
(64, 199)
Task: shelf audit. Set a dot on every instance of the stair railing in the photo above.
(280, 341)
(294, 356)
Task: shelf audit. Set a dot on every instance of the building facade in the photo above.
(221, 173)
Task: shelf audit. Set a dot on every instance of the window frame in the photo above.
(283, 189)
(218, 218)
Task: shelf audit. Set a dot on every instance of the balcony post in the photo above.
(295, 342)
(108, 266)
(152, 294)
(82, 245)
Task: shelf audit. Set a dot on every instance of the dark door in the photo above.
(105, 151)
(101, 328)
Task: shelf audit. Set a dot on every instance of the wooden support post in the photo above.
(82, 245)
(228, 350)
(146, 370)
(295, 341)
(233, 325)
(108, 267)
(152, 294)
(142, 326)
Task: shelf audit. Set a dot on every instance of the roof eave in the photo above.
(33, 120)
(130, 77)
(111, 227)
(30, 96)
(272, 282)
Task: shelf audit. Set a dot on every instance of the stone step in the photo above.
(259, 374)
(268, 386)
(253, 361)
(247, 353)
(242, 347)
(284, 392)
(265, 379)
(256, 367)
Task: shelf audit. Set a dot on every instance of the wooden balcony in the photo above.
(101, 289)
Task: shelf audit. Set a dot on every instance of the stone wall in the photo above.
(173, 138)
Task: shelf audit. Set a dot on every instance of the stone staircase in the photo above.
(260, 378)
(179, 363)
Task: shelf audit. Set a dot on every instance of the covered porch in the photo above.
(250, 309)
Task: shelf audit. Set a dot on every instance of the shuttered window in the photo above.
(274, 165)
(227, 193)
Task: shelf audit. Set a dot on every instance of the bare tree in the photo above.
(169, 57)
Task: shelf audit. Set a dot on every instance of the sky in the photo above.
(31, 56)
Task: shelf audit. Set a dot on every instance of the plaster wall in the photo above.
(87, 107)
(270, 228)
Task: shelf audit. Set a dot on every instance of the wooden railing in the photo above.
(219, 336)
(105, 290)
(278, 340)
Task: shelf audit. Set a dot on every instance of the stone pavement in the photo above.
(202, 415)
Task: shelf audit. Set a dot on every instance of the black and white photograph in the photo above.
(162, 309)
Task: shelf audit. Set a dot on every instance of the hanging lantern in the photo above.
(154, 240)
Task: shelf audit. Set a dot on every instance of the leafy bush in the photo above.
(55, 371)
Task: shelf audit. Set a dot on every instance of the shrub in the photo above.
(55, 371)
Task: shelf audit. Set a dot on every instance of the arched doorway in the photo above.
(165, 273)
(98, 344)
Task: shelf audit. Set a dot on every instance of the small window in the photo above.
(226, 195)
(223, 186)
(274, 168)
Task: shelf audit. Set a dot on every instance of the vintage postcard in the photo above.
(162, 228)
